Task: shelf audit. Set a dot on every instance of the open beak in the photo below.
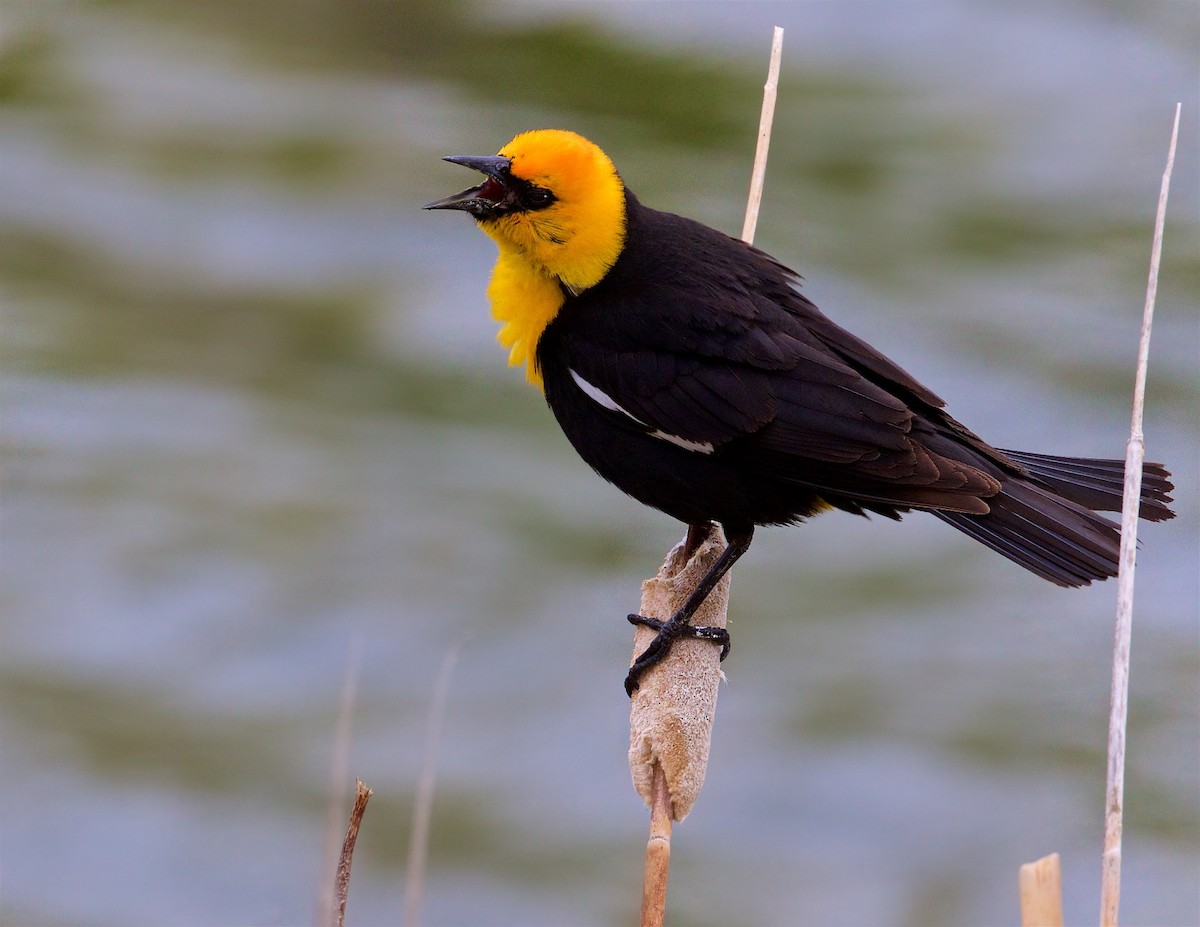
(483, 199)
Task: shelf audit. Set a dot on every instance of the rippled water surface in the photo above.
(254, 422)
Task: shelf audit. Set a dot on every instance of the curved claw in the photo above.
(648, 622)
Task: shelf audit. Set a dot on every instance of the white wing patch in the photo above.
(606, 401)
(602, 398)
(701, 447)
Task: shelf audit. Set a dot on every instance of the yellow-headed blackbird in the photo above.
(686, 368)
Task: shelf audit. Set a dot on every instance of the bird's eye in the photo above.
(539, 196)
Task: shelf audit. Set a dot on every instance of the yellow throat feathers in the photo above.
(571, 243)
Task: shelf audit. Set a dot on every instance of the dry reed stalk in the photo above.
(671, 714)
(418, 845)
(362, 795)
(338, 770)
(1041, 893)
(1110, 873)
(767, 117)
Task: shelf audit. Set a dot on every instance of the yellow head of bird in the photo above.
(553, 199)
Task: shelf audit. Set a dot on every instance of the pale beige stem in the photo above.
(758, 176)
(1041, 893)
(1110, 871)
(658, 853)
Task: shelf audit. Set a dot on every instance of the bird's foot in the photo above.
(668, 633)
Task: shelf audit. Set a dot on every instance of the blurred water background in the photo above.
(253, 413)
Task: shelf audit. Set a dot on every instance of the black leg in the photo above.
(680, 623)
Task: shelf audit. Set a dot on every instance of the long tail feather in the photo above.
(1098, 484)
(1046, 523)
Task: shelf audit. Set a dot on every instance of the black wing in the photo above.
(707, 340)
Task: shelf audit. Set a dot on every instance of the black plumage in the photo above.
(698, 336)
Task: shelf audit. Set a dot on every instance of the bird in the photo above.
(687, 368)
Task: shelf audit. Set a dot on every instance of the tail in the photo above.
(1046, 520)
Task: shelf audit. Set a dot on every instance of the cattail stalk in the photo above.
(658, 852)
(671, 714)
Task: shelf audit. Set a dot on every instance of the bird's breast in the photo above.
(525, 299)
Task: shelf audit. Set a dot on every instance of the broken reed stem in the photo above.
(418, 845)
(1041, 892)
(1110, 873)
(362, 795)
(758, 175)
(658, 853)
(339, 768)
